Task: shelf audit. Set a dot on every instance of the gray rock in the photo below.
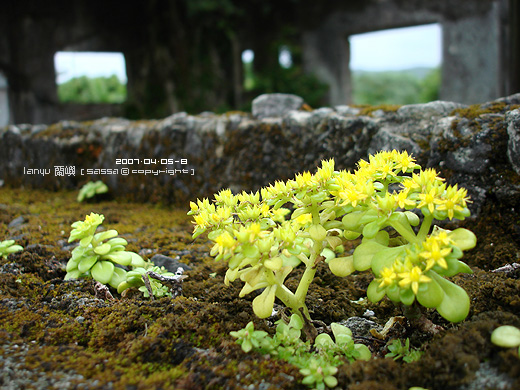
(360, 326)
(387, 139)
(347, 110)
(489, 377)
(513, 145)
(171, 264)
(16, 222)
(428, 110)
(275, 105)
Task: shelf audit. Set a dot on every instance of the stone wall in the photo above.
(183, 157)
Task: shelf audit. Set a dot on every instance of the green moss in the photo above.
(137, 343)
(368, 110)
(476, 110)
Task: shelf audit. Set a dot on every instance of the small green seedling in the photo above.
(136, 278)
(103, 257)
(318, 364)
(7, 247)
(91, 189)
(398, 350)
(506, 336)
(98, 254)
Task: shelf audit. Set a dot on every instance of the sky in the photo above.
(91, 64)
(395, 49)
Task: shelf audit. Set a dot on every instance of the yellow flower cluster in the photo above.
(262, 238)
(408, 270)
(373, 177)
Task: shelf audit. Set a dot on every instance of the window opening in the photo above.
(396, 66)
(90, 77)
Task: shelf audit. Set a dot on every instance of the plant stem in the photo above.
(405, 231)
(289, 299)
(425, 227)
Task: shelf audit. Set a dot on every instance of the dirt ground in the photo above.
(61, 334)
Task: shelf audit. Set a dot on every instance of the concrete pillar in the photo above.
(326, 54)
(4, 101)
(471, 58)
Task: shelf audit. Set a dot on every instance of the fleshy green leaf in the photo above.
(370, 230)
(263, 304)
(406, 296)
(123, 286)
(102, 271)
(86, 263)
(364, 253)
(323, 341)
(72, 264)
(117, 241)
(430, 294)
(251, 251)
(102, 236)
(506, 336)
(385, 258)
(413, 219)
(351, 221)
(118, 277)
(455, 305)
(342, 266)
(330, 381)
(364, 352)
(121, 258)
(338, 329)
(317, 232)
(463, 238)
(74, 274)
(102, 249)
(85, 241)
(374, 293)
(137, 261)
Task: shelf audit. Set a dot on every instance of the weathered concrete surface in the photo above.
(183, 157)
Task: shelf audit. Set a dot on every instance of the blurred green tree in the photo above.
(85, 90)
(395, 87)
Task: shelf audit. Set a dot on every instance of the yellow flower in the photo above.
(304, 180)
(223, 244)
(278, 215)
(405, 162)
(409, 185)
(354, 188)
(429, 200)
(402, 199)
(385, 170)
(227, 198)
(426, 178)
(225, 240)
(200, 220)
(454, 201)
(413, 278)
(386, 204)
(303, 219)
(325, 172)
(435, 255)
(436, 248)
(388, 277)
(450, 207)
(86, 228)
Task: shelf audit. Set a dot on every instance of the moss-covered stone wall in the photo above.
(186, 156)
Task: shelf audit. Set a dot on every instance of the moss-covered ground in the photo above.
(60, 329)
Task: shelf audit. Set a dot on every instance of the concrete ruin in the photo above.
(176, 59)
(184, 157)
